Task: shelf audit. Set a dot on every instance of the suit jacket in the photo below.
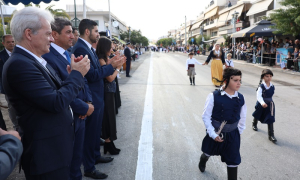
(96, 73)
(59, 64)
(127, 53)
(41, 102)
(3, 58)
(10, 153)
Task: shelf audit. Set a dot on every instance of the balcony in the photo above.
(210, 25)
(238, 25)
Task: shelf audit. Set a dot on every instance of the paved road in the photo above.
(159, 95)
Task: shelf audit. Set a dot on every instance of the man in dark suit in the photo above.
(127, 53)
(88, 31)
(59, 58)
(9, 44)
(75, 39)
(41, 100)
(10, 152)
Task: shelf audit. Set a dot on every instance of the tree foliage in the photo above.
(136, 37)
(165, 42)
(287, 21)
(55, 12)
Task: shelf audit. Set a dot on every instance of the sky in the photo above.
(154, 18)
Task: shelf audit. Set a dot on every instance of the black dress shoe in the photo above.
(102, 142)
(128, 76)
(104, 160)
(95, 174)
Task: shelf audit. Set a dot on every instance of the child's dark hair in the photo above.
(263, 73)
(227, 74)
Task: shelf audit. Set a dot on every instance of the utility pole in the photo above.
(185, 30)
(109, 24)
(84, 10)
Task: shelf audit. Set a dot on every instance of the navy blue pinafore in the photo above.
(265, 115)
(225, 109)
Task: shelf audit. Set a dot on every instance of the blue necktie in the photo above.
(68, 56)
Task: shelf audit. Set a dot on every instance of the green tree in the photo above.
(55, 12)
(136, 37)
(165, 42)
(287, 21)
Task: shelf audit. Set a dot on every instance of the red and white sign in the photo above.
(238, 29)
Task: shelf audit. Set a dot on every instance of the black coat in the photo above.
(41, 101)
(213, 55)
(3, 58)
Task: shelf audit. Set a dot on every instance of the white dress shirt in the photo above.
(60, 50)
(191, 61)
(8, 52)
(229, 62)
(87, 43)
(207, 113)
(260, 99)
(39, 59)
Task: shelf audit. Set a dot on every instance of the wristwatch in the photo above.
(118, 70)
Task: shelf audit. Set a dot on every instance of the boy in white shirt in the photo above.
(228, 61)
(190, 67)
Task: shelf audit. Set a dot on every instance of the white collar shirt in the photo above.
(8, 52)
(87, 43)
(259, 92)
(42, 61)
(191, 61)
(60, 50)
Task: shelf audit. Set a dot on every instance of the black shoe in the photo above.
(232, 173)
(104, 160)
(101, 142)
(128, 76)
(202, 163)
(271, 133)
(254, 124)
(115, 147)
(95, 174)
(110, 148)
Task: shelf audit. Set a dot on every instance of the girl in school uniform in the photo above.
(265, 107)
(228, 61)
(224, 117)
(190, 67)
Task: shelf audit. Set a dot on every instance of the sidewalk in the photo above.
(262, 66)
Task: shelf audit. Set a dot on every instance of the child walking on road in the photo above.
(224, 117)
(190, 67)
(265, 107)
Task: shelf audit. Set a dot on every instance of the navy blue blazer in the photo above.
(59, 64)
(96, 73)
(3, 58)
(42, 102)
(127, 53)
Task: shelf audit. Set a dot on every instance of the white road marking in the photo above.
(144, 169)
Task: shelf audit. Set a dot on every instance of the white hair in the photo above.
(28, 18)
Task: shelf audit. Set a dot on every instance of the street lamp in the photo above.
(129, 33)
(234, 19)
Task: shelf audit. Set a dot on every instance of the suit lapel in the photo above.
(94, 58)
(56, 82)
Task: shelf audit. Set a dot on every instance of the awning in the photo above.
(211, 13)
(196, 25)
(237, 9)
(262, 28)
(222, 19)
(120, 40)
(259, 7)
(215, 39)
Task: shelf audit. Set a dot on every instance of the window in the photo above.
(259, 18)
(215, 33)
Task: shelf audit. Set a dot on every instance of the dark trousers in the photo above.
(91, 140)
(2, 122)
(128, 67)
(75, 172)
(99, 132)
(60, 174)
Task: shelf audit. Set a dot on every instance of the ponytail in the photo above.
(259, 83)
